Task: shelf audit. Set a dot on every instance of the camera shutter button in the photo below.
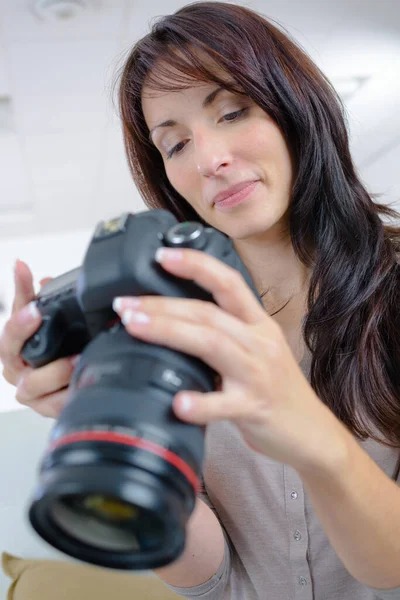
(186, 235)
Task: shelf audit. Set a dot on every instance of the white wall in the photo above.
(23, 433)
(47, 256)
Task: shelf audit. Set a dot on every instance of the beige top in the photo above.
(275, 546)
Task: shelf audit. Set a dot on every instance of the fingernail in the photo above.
(117, 304)
(130, 316)
(28, 313)
(130, 301)
(169, 253)
(186, 403)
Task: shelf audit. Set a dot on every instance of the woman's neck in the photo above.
(281, 279)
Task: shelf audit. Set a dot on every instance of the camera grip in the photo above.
(53, 340)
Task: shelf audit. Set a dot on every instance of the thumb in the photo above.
(23, 282)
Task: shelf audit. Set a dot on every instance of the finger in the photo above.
(50, 406)
(23, 281)
(192, 311)
(45, 280)
(200, 409)
(209, 344)
(37, 383)
(227, 285)
(20, 326)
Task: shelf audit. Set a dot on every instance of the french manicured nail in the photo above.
(129, 301)
(117, 304)
(171, 253)
(186, 403)
(28, 313)
(131, 316)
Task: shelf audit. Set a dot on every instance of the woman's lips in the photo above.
(238, 197)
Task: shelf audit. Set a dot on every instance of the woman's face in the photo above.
(211, 145)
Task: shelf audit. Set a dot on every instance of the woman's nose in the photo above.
(211, 154)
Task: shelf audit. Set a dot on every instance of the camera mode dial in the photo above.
(186, 235)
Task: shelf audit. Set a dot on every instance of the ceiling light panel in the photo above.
(22, 23)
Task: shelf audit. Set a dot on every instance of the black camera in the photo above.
(120, 474)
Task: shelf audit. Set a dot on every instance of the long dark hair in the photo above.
(352, 327)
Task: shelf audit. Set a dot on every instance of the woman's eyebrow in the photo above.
(208, 100)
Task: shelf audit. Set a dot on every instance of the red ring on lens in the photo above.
(138, 442)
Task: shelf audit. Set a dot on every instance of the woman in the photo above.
(241, 131)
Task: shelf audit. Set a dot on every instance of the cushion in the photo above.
(58, 580)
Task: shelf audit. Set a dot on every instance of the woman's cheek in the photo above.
(181, 180)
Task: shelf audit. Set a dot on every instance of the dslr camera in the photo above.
(120, 473)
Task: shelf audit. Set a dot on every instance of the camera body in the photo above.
(120, 474)
(77, 305)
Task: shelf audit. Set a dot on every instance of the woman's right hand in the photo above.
(43, 389)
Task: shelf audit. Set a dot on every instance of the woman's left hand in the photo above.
(263, 391)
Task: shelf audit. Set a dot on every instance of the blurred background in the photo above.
(63, 166)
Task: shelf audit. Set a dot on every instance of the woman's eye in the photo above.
(228, 117)
(234, 115)
(174, 149)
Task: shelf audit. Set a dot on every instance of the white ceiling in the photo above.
(63, 166)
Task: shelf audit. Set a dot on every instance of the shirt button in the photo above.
(297, 535)
(302, 581)
(294, 495)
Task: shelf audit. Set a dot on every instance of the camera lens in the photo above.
(119, 477)
(107, 523)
